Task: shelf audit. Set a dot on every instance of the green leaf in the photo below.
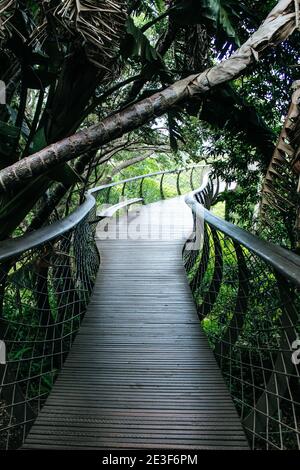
(136, 45)
(160, 5)
(12, 118)
(16, 355)
(38, 142)
(210, 10)
(25, 276)
(226, 25)
(9, 136)
(215, 13)
(195, 11)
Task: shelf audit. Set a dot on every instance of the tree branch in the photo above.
(125, 164)
(278, 26)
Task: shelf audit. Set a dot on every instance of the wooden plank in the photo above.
(141, 373)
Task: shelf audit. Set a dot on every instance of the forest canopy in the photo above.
(96, 89)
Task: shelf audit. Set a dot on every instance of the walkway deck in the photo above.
(141, 373)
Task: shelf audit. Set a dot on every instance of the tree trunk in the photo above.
(278, 26)
(59, 192)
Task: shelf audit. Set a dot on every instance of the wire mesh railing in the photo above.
(46, 279)
(153, 187)
(44, 294)
(247, 296)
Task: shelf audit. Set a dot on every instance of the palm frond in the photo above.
(100, 23)
(7, 9)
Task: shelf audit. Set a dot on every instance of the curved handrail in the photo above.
(284, 261)
(45, 293)
(46, 280)
(246, 292)
(15, 246)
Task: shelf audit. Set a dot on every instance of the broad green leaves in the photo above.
(136, 45)
(223, 21)
(215, 13)
(39, 141)
(160, 5)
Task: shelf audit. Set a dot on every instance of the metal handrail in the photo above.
(246, 291)
(286, 262)
(13, 247)
(46, 280)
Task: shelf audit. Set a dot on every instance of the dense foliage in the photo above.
(67, 65)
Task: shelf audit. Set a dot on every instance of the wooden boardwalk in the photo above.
(141, 373)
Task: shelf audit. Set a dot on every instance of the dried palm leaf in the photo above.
(277, 27)
(7, 9)
(8, 28)
(100, 23)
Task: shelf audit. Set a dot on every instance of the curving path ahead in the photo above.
(141, 373)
